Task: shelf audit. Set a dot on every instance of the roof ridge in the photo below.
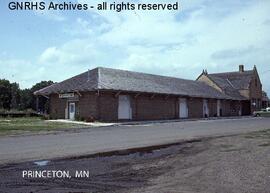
(218, 73)
(156, 75)
(98, 77)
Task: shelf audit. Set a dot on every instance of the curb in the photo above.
(179, 120)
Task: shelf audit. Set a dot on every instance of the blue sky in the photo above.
(203, 34)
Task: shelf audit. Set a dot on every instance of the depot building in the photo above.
(113, 95)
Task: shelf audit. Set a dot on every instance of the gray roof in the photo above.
(239, 80)
(232, 82)
(121, 80)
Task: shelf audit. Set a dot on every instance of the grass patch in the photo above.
(32, 124)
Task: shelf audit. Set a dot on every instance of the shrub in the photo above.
(46, 117)
(79, 118)
(90, 119)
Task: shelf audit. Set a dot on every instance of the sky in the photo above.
(203, 34)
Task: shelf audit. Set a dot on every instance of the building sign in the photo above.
(66, 95)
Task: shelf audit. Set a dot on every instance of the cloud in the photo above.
(17, 70)
(50, 15)
(266, 22)
(51, 54)
(57, 16)
(232, 53)
(216, 35)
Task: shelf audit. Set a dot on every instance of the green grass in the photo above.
(31, 124)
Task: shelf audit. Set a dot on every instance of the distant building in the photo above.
(265, 100)
(243, 85)
(110, 95)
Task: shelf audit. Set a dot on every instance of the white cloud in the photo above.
(17, 70)
(51, 15)
(203, 34)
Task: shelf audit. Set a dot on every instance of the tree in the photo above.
(43, 101)
(12, 97)
(25, 99)
(5, 94)
(15, 95)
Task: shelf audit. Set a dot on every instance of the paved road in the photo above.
(103, 139)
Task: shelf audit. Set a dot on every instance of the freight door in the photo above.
(124, 107)
(183, 108)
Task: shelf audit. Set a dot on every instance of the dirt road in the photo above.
(234, 164)
(93, 140)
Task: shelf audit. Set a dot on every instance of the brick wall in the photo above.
(104, 107)
(255, 92)
(107, 107)
(158, 107)
(235, 107)
(195, 108)
(212, 105)
(87, 105)
(226, 108)
(57, 107)
(246, 107)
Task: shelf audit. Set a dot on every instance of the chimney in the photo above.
(204, 72)
(241, 68)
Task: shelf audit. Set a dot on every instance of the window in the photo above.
(72, 108)
(256, 83)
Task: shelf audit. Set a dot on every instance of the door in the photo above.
(218, 108)
(124, 108)
(240, 108)
(246, 108)
(205, 108)
(71, 110)
(183, 108)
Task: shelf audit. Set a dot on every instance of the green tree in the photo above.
(5, 94)
(12, 97)
(43, 101)
(15, 95)
(25, 99)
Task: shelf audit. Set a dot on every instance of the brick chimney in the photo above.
(241, 68)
